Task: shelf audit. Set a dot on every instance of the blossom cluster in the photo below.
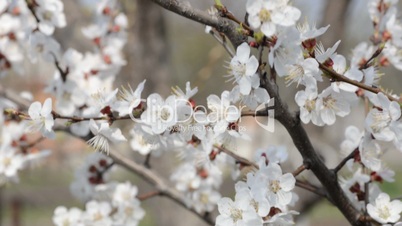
(18, 151)
(84, 97)
(265, 196)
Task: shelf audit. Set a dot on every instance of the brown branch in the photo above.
(222, 41)
(299, 170)
(311, 188)
(22, 103)
(345, 160)
(242, 160)
(338, 77)
(155, 180)
(328, 178)
(223, 25)
(148, 195)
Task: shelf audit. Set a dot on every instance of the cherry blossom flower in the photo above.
(42, 118)
(91, 174)
(383, 210)
(323, 55)
(160, 114)
(378, 121)
(67, 217)
(267, 15)
(103, 134)
(256, 97)
(205, 199)
(145, 141)
(43, 45)
(297, 73)
(361, 53)
(129, 99)
(306, 99)
(308, 31)
(10, 162)
(124, 192)
(270, 182)
(128, 213)
(370, 153)
(376, 8)
(235, 213)
(97, 213)
(222, 112)
(330, 103)
(243, 68)
(275, 154)
(286, 51)
(50, 14)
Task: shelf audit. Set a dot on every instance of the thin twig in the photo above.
(299, 170)
(148, 195)
(242, 160)
(345, 160)
(223, 42)
(341, 78)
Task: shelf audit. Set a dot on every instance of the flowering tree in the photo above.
(86, 105)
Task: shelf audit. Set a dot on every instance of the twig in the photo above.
(148, 195)
(147, 161)
(242, 160)
(345, 160)
(299, 170)
(223, 25)
(155, 180)
(310, 187)
(338, 77)
(223, 42)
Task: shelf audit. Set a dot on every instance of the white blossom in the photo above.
(103, 134)
(383, 210)
(42, 118)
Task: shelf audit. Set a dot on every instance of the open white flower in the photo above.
(46, 46)
(378, 121)
(297, 73)
(270, 182)
(330, 103)
(10, 162)
(237, 213)
(124, 192)
(307, 101)
(370, 153)
(129, 99)
(222, 112)
(243, 68)
(67, 217)
(97, 213)
(383, 210)
(266, 14)
(50, 14)
(160, 114)
(42, 118)
(103, 134)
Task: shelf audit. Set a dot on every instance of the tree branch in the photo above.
(301, 140)
(223, 25)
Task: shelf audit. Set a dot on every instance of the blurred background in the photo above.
(169, 50)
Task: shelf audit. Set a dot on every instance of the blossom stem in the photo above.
(343, 162)
(242, 160)
(338, 77)
(299, 170)
(74, 119)
(148, 195)
(223, 42)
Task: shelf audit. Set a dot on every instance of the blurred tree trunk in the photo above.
(335, 14)
(147, 51)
